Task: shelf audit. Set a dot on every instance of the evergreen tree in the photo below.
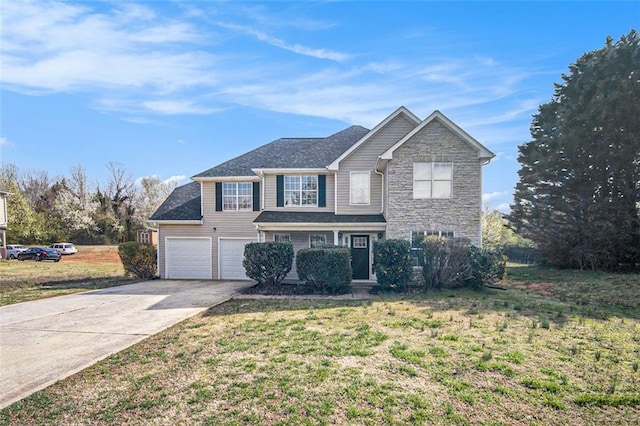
(578, 196)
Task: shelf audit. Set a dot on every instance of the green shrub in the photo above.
(327, 269)
(139, 260)
(268, 263)
(393, 265)
(453, 263)
(482, 267)
(442, 262)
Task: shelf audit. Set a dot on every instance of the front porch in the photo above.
(317, 229)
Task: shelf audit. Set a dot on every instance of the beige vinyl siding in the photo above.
(461, 212)
(270, 202)
(364, 159)
(229, 224)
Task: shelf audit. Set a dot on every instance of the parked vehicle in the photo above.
(64, 248)
(14, 249)
(40, 253)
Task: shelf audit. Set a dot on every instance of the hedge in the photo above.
(327, 269)
(392, 264)
(139, 260)
(268, 263)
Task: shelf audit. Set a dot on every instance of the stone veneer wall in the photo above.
(461, 213)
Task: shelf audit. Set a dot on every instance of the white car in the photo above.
(14, 249)
(64, 248)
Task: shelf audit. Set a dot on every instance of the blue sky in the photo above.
(172, 88)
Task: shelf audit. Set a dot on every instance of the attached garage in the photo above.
(188, 258)
(231, 253)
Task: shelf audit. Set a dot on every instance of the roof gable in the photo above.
(184, 203)
(400, 111)
(289, 153)
(483, 152)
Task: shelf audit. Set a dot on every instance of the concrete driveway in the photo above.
(47, 340)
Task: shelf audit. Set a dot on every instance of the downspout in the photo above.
(375, 170)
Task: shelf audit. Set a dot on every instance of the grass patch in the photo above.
(92, 268)
(284, 361)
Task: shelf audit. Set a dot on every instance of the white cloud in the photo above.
(138, 64)
(487, 197)
(318, 53)
(4, 141)
(178, 179)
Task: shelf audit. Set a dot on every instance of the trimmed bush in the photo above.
(268, 263)
(393, 265)
(139, 260)
(327, 269)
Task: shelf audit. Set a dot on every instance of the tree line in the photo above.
(44, 208)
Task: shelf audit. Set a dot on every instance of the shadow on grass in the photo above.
(547, 296)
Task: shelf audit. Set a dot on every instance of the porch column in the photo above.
(335, 237)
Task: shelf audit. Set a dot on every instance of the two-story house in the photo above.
(404, 178)
(3, 223)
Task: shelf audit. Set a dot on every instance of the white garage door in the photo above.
(188, 258)
(231, 255)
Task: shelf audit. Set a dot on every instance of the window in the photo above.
(432, 180)
(300, 191)
(282, 238)
(237, 196)
(359, 242)
(418, 236)
(359, 186)
(317, 240)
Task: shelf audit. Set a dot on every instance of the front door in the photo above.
(360, 257)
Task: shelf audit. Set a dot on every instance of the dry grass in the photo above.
(490, 357)
(91, 268)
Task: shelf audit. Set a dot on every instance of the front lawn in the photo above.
(93, 267)
(490, 357)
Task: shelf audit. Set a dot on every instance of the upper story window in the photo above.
(301, 191)
(360, 187)
(237, 196)
(432, 180)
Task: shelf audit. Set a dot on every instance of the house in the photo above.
(3, 223)
(404, 178)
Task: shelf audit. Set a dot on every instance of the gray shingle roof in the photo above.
(182, 204)
(290, 153)
(316, 217)
(298, 153)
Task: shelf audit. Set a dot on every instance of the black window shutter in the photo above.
(256, 196)
(280, 190)
(322, 190)
(218, 196)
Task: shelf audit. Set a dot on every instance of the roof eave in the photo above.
(317, 226)
(175, 222)
(225, 178)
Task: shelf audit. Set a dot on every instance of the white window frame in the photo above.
(236, 197)
(313, 243)
(302, 194)
(423, 186)
(279, 237)
(354, 190)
